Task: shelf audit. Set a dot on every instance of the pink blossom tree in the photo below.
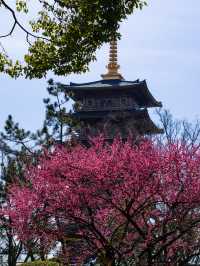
(125, 204)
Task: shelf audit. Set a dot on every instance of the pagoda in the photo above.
(113, 106)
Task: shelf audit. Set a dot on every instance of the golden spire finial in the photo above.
(113, 66)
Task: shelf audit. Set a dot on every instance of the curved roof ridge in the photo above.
(102, 81)
(86, 83)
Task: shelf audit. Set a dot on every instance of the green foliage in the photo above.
(58, 122)
(66, 34)
(20, 148)
(13, 69)
(21, 5)
(41, 263)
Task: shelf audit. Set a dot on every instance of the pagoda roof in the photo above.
(137, 88)
(141, 117)
(103, 83)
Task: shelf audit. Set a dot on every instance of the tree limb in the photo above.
(17, 23)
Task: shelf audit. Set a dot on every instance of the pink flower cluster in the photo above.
(138, 202)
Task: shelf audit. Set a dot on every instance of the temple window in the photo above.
(90, 102)
(124, 101)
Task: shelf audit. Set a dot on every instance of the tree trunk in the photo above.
(11, 252)
(109, 262)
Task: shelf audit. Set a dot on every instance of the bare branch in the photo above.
(23, 143)
(17, 23)
(11, 31)
(3, 49)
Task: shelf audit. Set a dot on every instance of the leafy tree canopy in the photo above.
(65, 34)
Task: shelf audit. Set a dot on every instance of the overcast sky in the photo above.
(161, 44)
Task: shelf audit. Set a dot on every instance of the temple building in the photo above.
(112, 105)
